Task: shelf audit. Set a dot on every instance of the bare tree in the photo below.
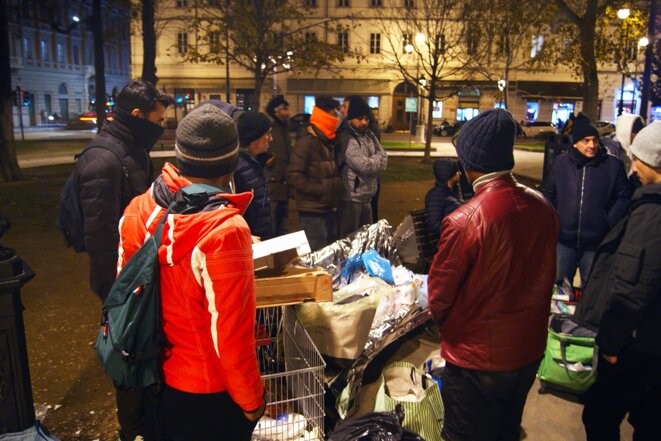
(265, 37)
(432, 47)
(10, 171)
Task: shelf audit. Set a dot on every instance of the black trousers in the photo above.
(203, 417)
(631, 385)
(483, 405)
(137, 413)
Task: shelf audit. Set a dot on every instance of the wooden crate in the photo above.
(294, 285)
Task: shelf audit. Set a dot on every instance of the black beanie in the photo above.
(275, 103)
(358, 108)
(582, 127)
(252, 125)
(444, 169)
(486, 143)
(206, 144)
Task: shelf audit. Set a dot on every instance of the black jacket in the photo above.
(108, 185)
(440, 201)
(622, 298)
(590, 196)
(277, 172)
(249, 176)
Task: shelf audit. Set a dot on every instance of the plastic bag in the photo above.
(35, 433)
(377, 266)
(376, 426)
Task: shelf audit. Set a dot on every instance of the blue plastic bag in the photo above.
(377, 266)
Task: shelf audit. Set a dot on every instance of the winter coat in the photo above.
(622, 298)
(313, 174)
(207, 290)
(440, 201)
(590, 196)
(361, 159)
(277, 173)
(107, 185)
(491, 280)
(249, 176)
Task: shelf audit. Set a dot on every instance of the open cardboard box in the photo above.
(278, 283)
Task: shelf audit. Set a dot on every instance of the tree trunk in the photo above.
(148, 42)
(429, 129)
(589, 63)
(99, 65)
(259, 83)
(9, 169)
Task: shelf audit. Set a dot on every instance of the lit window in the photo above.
(536, 48)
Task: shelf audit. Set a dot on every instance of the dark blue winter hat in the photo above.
(582, 128)
(486, 143)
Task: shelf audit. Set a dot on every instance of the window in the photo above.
(48, 103)
(406, 40)
(182, 42)
(45, 55)
(27, 48)
(409, 4)
(76, 54)
(310, 3)
(536, 48)
(472, 41)
(343, 41)
(182, 3)
(375, 43)
(376, 3)
(439, 42)
(62, 89)
(60, 53)
(214, 39)
(310, 36)
(343, 4)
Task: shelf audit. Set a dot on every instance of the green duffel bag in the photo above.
(569, 363)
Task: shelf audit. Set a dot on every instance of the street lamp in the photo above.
(623, 14)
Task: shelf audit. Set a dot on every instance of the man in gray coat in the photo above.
(361, 160)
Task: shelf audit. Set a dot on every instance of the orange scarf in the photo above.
(324, 121)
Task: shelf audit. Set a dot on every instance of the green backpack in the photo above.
(130, 342)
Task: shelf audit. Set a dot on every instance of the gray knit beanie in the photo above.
(486, 143)
(206, 144)
(647, 145)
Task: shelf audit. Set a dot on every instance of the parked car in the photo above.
(530, 129)
(297, 121)
(447, 129)
(604, 127)
(86, 120)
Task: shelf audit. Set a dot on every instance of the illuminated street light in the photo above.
(420, 38)
(643, 42)
(623, 13)
(408, 48)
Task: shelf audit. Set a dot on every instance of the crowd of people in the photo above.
(499, 255)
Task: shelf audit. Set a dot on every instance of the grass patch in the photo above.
(402, 145)
(407, 169)
(40, 146)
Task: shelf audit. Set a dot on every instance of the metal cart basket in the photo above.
(293, 373)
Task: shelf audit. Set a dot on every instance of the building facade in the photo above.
(52, 57)
(541, 94)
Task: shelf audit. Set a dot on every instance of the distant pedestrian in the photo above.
(590, 192)
(441, 199)
(250, 174)
(622, 300)
(361, 159)
(278, 110)
(489, 287)
(313, 174)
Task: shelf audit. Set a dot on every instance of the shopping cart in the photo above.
(293, 373)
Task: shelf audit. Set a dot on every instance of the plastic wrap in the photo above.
(331, 258)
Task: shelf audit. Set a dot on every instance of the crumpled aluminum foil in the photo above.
(377, 236)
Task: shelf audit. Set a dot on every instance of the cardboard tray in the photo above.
(294, 285)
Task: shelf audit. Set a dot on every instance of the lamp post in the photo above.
(623, 14)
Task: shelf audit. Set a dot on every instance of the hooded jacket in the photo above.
(107, 185)
(313, 173)
(491, 280)
(361, 159)
(622, 298)
(618, 144)
(590, 195)
(207, 290)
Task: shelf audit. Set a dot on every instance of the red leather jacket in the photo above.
(491, 281)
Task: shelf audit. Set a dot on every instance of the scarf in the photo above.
(324, 121)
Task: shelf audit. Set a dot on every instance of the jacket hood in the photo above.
(623, 129)
(188, 228)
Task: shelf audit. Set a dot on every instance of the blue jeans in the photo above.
(320, 228)
(568, 259)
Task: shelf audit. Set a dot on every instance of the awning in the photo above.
(548, 90)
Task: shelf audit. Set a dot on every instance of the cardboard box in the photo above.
(294, 285)
(273, 255)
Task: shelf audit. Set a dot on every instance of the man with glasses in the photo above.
(590, 192)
